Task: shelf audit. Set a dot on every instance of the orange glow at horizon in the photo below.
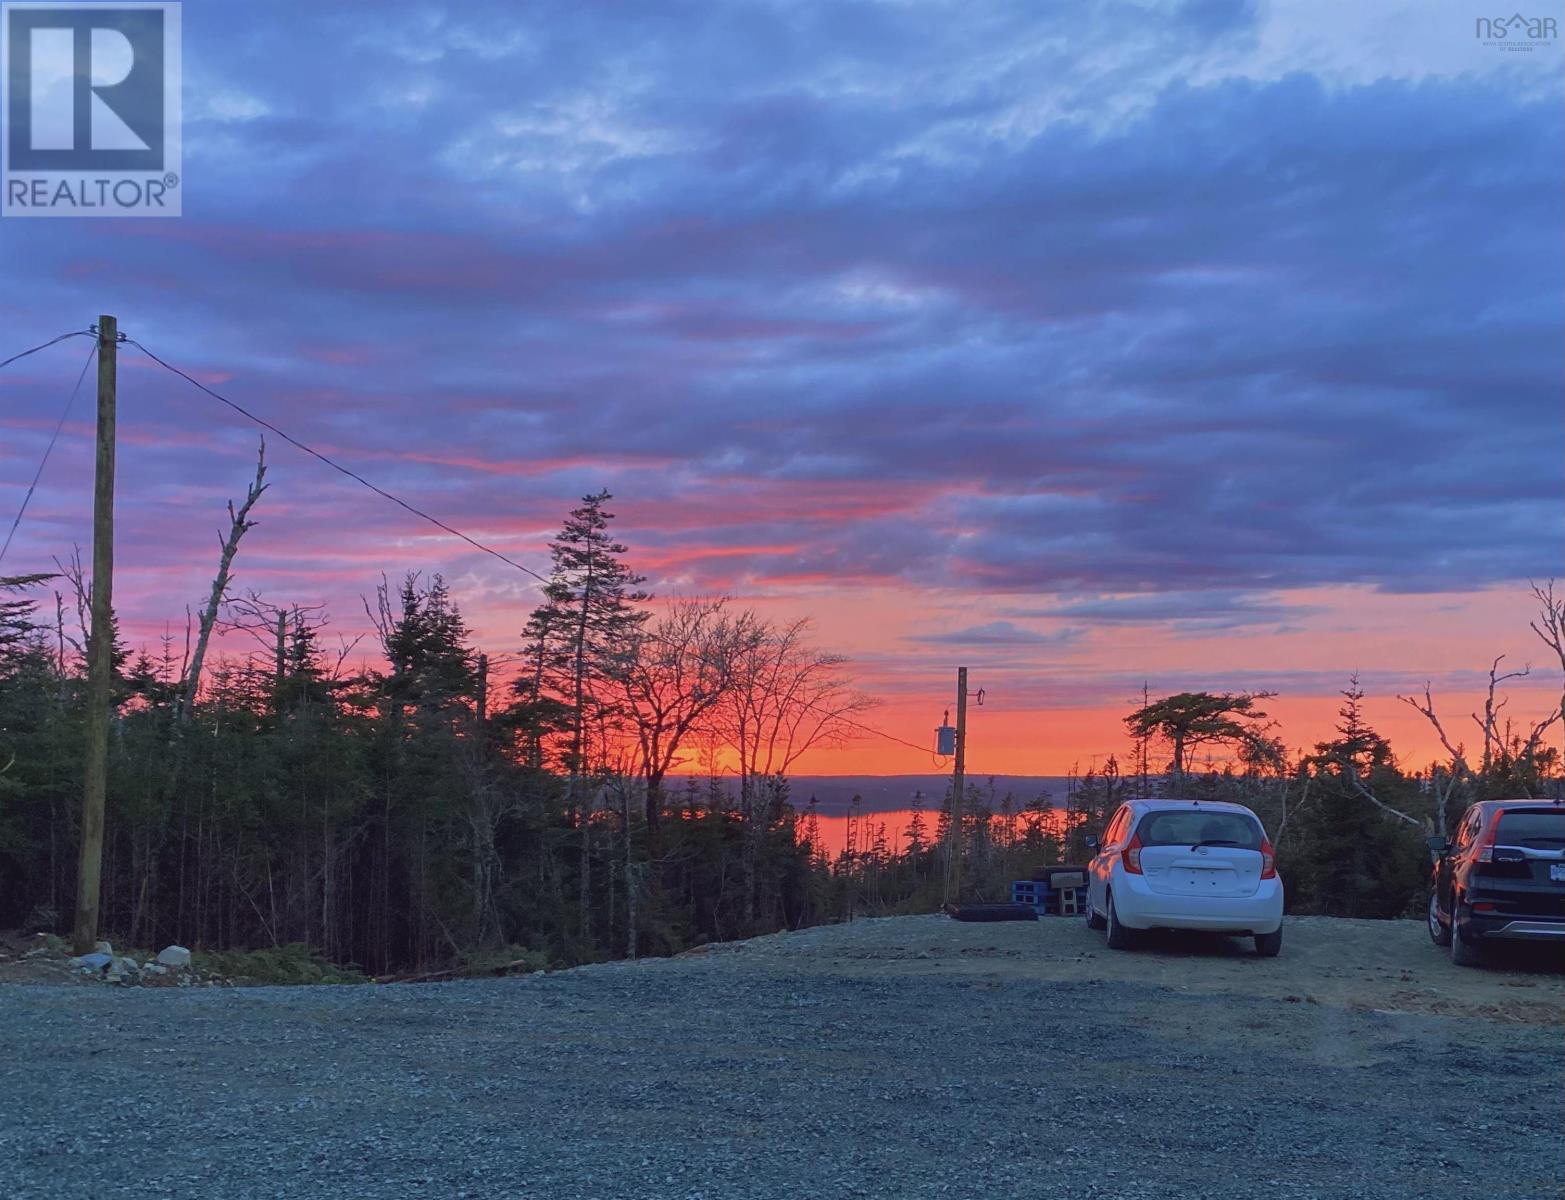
(1055, 699)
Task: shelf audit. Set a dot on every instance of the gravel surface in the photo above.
(907, 1057)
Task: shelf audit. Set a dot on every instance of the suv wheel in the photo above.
(1119, 938)
(1463, 952)
(1439, 932)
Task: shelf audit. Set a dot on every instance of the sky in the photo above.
(1206, 345)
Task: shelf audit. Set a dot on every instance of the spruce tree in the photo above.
(580, 638)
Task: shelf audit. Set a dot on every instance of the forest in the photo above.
(620, 788)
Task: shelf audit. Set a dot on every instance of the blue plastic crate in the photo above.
(1031, 891)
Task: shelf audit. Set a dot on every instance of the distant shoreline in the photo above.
(893, 793)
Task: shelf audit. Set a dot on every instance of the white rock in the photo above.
(104, 948)
(174, 956)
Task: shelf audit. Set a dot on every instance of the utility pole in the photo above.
(958, 785)
(100, 648)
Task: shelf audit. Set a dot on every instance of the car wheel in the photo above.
(1439, 932)
(1269, 945)
(1093, 920)
(1119, 938)
(1463, 952)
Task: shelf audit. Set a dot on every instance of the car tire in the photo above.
(1119, 938)
(1439, 931)
(1463, 952)
(1269, 945)
(1093, 920)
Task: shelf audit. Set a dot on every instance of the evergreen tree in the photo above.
(1349, 858)
(580, 638)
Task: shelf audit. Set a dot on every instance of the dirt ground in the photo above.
(1378, 966)
(894, 1058)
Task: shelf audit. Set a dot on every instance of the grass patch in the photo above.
(507, 960)
(294, 963)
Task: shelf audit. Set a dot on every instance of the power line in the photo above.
(48, 450)
(52, 341)
(439, 524)
(877, 732)
(336, 466)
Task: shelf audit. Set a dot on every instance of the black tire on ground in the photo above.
(1093, 920)
(1439, 931)
(1119, 938)
(1463, 952)
(993, 912)
(1268, 945)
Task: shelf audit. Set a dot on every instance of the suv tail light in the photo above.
(1131, 855)
(1268, 859)
(1486, 843)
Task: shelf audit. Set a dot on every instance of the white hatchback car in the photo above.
(1185, 864)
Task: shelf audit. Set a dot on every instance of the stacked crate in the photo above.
(1035, 892)
(1059, 891)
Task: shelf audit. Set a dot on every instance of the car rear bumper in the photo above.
(1482, 927)
(1138, 907)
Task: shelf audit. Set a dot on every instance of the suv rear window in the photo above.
(1540, 827)
(1187, 827)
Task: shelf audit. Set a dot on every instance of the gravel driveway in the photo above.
(907, 1057)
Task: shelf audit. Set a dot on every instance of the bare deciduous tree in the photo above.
(1550, 628)
(681, 669)
(239, 524)
(1456, 771)
(1489, 723)
(787, 697)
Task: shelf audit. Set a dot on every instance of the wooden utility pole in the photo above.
(958, 785)
(100, 648)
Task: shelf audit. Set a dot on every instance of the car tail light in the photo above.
(1268, 860)
(1486, 844)
(1485, 906)
(1131, 855)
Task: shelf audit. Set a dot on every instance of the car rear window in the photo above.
(1532, 827)
(1187, 827)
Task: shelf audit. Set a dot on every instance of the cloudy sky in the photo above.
(1213, 344)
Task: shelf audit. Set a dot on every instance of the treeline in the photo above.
(419, 811)
(617, 786)
(1348, 821)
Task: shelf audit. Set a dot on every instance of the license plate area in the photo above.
(1557, 872)
(1208, 880)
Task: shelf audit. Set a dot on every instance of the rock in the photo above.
(123, 969)
(174, 956)
(155, 968)
(92, 963)
(104, 948)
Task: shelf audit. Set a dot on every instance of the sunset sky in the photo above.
(1215, 345)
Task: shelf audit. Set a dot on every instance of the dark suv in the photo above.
(1502, 876)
